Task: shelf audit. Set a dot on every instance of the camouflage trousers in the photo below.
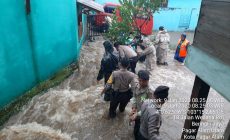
(161, 55)
(149, 62)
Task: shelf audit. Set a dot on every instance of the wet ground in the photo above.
(75, 110)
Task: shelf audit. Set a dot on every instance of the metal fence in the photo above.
(96, 26)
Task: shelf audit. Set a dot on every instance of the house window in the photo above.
(164, 4)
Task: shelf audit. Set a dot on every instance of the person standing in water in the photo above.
(181, 50)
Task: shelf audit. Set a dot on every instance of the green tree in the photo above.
(130, 10)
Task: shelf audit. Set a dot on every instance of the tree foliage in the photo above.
(120, 29)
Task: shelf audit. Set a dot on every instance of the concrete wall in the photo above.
(170, 17)
(177, 11)
(34, 47)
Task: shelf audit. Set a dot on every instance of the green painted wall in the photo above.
(214, 72)
(54, 34)
(34, 47)
(16, 67)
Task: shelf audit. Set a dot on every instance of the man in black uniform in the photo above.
(109, 63)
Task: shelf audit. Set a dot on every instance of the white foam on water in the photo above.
(32, 131)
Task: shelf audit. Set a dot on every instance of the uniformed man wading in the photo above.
(120, 81)
(109, 63)
(151, 115)
(149, 53)
(162, 43)
(128, 52)
(141, 92)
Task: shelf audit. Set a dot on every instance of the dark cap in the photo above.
(161, 92)
(143, 74)
(161, 28)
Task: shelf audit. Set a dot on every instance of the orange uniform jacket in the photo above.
(183, 47)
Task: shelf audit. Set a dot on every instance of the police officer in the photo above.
(162, 43)
(120, 81)
(109, 62)
(141, 91)
(128, 52)
(151, 115)
(149, 53)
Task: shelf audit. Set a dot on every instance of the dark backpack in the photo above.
(110, 62)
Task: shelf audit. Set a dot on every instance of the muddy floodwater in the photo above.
(74, 110)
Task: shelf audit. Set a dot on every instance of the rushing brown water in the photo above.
(75, 110)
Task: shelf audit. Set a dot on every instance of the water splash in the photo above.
(32, 131)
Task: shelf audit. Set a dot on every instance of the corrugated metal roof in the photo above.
(91, 4)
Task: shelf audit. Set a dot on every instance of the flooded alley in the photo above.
(74, 110)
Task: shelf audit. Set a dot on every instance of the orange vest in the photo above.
(183, 48)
